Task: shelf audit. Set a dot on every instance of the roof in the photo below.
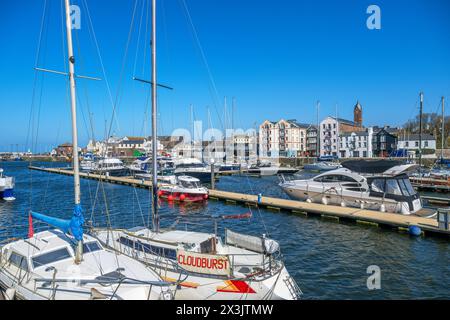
(134, 138)
(357, 133)
(298, 124)
(344, 121)
(370, 166)
(392, 131)
(133, 141)
(65, 145)
(358, 105)
(415, 136)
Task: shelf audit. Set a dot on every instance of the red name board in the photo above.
(204, 263)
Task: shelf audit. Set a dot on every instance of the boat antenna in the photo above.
(318, 131)
(154, 129)
(76, 169)
(420, 130)
(442, 128)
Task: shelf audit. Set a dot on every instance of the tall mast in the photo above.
(420, 129)
(442, 129)
(318, 131)
(191, 112)
(154, 131)
(73, 103)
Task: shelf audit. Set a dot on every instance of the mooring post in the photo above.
(212, 175)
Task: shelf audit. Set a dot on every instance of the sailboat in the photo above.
(241, 267)
(67, 264)
(6, 187)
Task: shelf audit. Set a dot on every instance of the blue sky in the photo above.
(277, 58)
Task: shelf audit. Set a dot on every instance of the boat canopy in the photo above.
(370, 166)
(257, 244)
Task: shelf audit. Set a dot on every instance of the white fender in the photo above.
(324, 200)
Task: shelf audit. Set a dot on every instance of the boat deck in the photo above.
(429, 226)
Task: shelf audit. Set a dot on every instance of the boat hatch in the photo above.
(50, 257)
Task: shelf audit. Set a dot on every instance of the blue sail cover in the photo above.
(74, 225)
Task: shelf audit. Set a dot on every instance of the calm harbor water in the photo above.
(328, 259)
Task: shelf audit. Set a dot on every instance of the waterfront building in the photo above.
(410, 142)
(63, 150)
(356, 144)
(332, 127)
(311, 141)
(285, 138)
(384, 141)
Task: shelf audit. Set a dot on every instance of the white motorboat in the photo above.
(380, 185)
(6, 187)
(184, 188)
(88, 162)
(193, 167)
(110, 167)
(263, 168)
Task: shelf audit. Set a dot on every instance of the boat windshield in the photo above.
(395, 186)
(190, 184)
(406, 187)
(392, 187)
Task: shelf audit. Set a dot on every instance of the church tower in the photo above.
(357, 114)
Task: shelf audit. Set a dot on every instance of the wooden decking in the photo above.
(431, 184)
(397, 221)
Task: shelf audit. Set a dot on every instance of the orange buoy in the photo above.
(160, 193)
(205, 196)
(170, 197)
(182, 197)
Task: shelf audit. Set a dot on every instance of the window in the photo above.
(417, 143)
(91, 246)
(392, 187)
(334, 178)
(426, 143)
(406, 144)
(148, 248)
(334, 125)
(377, 185)
(406, 187)
(50, 257)
(19, 261)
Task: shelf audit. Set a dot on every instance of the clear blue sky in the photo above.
(276, 57)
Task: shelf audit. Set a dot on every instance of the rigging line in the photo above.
(136, 58)
(33, 111)
(212, 84)
(119, 89)
(93, 35)
(148, 11)
(85, 91)
(29, 130)
(138, 38)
